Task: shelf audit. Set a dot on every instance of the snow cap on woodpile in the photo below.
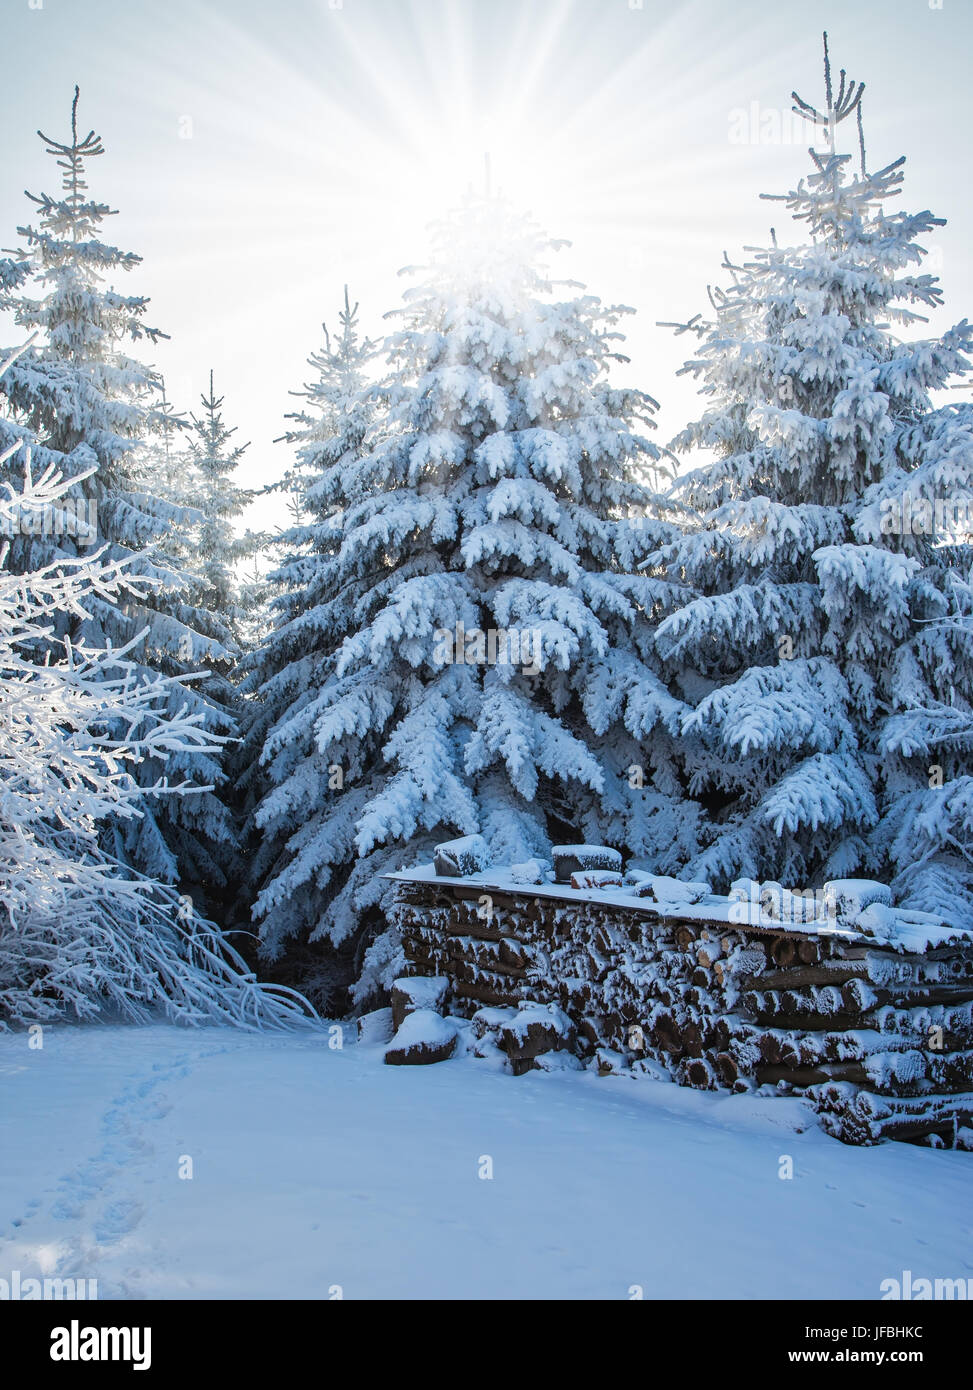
(572, 859)
(530, 871)
(666, 891)
(855, 909)
(851, 896)
(457, 858)
(413, 992)
(423, 1037)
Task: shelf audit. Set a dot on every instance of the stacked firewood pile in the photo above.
(880, 1038)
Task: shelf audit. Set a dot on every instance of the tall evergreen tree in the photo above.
(307, 598)
(162, 457)
(217, 551)
(90, 406)
(810, 631)
(255, 596)
(476, 664)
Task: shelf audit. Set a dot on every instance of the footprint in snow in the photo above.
(65, 1210)
(117, 1220)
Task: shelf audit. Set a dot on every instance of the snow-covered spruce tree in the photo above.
(193, 472)
(810, 636)
(90, 406)
(308, 602)
(81, 934)
(254, 597)
(24, 547)
(217, 551)
(76, 390)
(163, 458)
(465, 658)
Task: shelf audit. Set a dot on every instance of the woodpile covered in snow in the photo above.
(864, 1008)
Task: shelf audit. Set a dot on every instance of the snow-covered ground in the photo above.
(315, 1168)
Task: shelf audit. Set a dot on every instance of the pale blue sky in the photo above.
(323, 138)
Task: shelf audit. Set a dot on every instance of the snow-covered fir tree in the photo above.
(300, 600)
(193, 469)
(76, 389)
(254, 594)
(163, 458)
(91, 406)
(811, 636)
(216, 550)
(457, 652)
(23, 546)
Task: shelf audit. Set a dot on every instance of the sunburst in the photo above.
(324, 139)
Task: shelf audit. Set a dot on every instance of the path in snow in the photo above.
(315, 1168)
